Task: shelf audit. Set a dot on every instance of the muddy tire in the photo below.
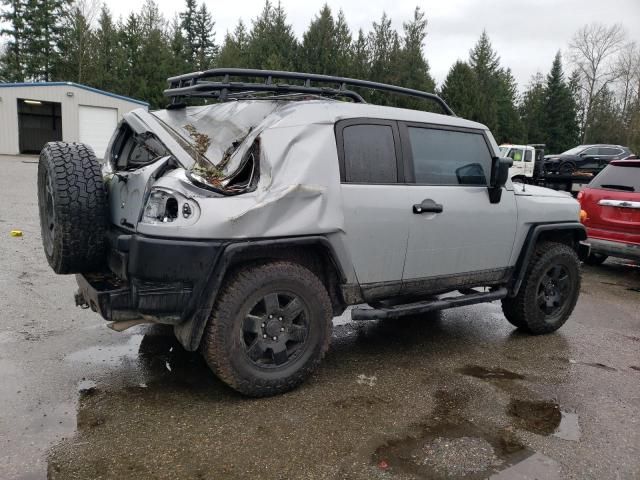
(269, 329)
(73, 207)
(549, 291)
(595, 259)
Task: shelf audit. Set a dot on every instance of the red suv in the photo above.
(611, 212)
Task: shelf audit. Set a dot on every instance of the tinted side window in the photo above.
(590, 151)
(445, 157)
(609, 151)
(369, 154)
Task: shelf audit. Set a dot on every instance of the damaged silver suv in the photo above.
(249, 222)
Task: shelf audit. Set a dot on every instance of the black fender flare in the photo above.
(189, 332)
(579, 234)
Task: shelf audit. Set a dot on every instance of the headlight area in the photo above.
(166, 206)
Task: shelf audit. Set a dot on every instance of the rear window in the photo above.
(369, 154)
(615, 177)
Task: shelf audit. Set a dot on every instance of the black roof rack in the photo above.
(216, 83)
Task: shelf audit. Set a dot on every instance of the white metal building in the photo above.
(32, 114)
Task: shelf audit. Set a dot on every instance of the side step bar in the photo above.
(428, 306)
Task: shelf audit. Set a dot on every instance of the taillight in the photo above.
(583, 216)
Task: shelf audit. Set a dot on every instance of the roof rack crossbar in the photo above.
(192, 85)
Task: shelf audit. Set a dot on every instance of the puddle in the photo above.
(109, 355)
(545, 418)
(541, 417)
(569, 428)
(490, 373)
(448, 446)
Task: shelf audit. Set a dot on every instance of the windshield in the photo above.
(504, 151)
(616, 177)
(573, 151)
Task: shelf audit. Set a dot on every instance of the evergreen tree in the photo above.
(560, 114)
(413, 68)
(360, 57)
(153, 62)
(76, 47)
(605, 123)
(188, 23)
(506, 96)
(234, 51)
(206, 49)
(13, 58)
(44, 27)
(384, 47)
(131, 40)
(178, 62)
(272, 44)
(108, 54)
(532, 110)
(343, 43)
(318, 52)
(460, 90)
(485, 64)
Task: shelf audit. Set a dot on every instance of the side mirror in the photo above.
(499, 177)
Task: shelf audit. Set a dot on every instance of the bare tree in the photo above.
(593, 51)
(628, 73)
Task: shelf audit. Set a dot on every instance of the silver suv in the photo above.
(249, 223)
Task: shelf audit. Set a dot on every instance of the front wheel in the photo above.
(269, 329)
(549, 291)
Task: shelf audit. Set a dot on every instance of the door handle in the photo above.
(427, 206)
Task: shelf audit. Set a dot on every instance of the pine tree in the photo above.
(188, 23)
(532, 110)
(360, 58)
(272, 44)
(460, 90)
(561, 118)
(154, 60)
(108, 54)
(343, 46)
(44, 29)
(413, 68)
(384, 47)
(506, 96)
(13, 57)
(319, 46)
(206, 49)
(76, 47)
(234, 51)
(485, 64)
(178, 63)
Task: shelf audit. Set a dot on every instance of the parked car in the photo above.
(248, 224)
(585, 158)
(611, 212)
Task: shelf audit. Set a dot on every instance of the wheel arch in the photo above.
(569, 233)
(313, 252)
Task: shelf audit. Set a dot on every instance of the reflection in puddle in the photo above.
(450, 446)
(541, 417)
(490, 373)
(569, 428)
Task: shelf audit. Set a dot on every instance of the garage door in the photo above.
(96, 127)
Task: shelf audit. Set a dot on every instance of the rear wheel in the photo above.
(549, 291)
(566, 168)
(269, 329)
(595, 259)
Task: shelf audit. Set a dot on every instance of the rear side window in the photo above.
(615, 177)
(369, 154)
(609, 151)
(528, 155)
(446, 157)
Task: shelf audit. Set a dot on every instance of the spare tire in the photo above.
(73, 208)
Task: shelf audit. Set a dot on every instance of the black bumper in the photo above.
(150, 276)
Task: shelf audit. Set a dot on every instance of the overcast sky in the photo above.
(526, 33)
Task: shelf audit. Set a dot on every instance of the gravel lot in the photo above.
(459, 394)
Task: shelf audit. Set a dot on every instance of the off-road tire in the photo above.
(224, 346)
(73, 207)
(595, 259)
(523, 310)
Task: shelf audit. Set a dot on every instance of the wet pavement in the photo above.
(459, 394)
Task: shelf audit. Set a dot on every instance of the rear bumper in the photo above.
(615, 249)
(162, 278)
